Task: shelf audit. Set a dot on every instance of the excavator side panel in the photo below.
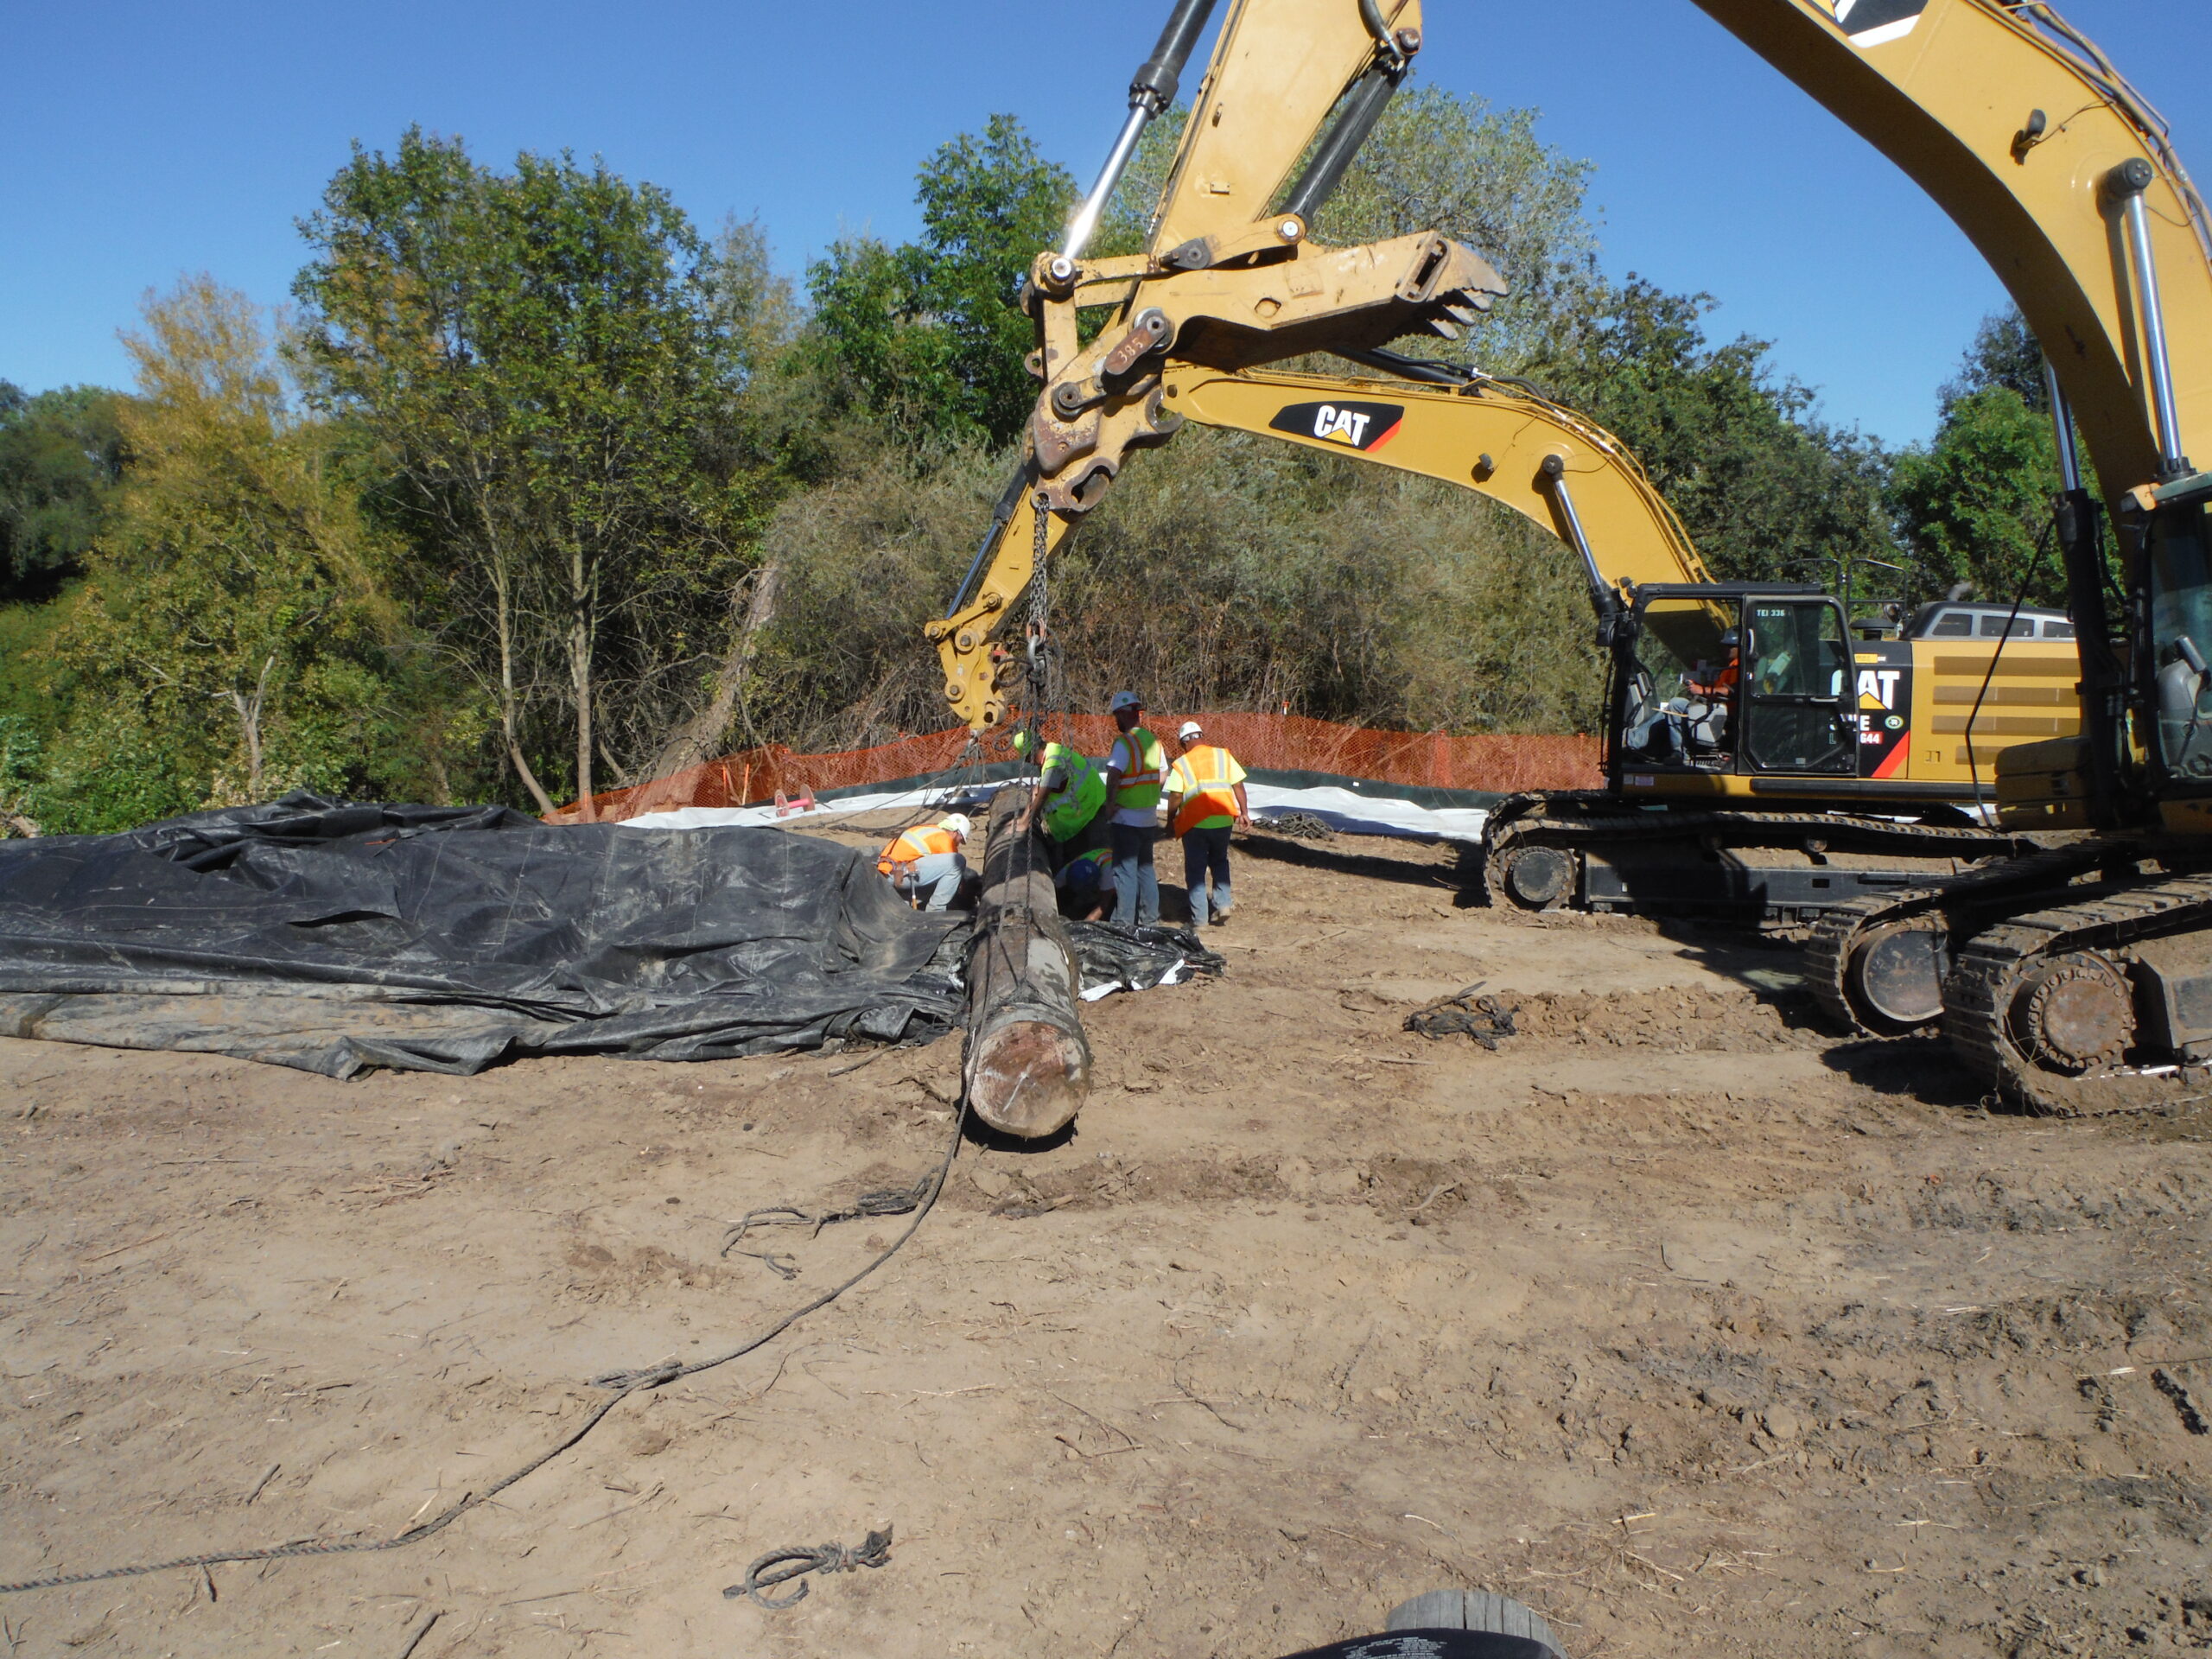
(2029, 697)
(2032, 696)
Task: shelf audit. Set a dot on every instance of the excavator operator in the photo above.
(1713, 685)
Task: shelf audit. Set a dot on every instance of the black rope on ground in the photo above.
(624, 1383)
(782, 1566)
(1485, 1019)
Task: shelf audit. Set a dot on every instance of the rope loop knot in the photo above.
(782, 1566)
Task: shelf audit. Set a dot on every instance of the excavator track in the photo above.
(1838, 934)
(1995, 967)
(1591, 820)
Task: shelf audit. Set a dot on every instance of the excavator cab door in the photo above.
(2180, 568)
(1678, 686)
(1797, 683)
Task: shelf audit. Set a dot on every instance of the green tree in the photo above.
(931, 334)
(60, 458)
(2005, 353)
(1974, 503)
(989, 205)
(1767, 493)
(544, 362)
(233, 636)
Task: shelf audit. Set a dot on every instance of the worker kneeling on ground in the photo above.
(1085, 883)
(1205, 801)
(1135, 770)
(925, 864)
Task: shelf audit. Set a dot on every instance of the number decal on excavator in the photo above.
(1877, 22)
(1363, 427)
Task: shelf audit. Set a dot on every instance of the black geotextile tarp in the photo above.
(331, 936)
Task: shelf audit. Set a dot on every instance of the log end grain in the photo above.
(1027, 1078)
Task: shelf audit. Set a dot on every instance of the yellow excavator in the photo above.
(2078, 980)
(1765, 760)
(1762, 761)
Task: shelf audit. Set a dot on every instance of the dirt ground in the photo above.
(1701, 1331)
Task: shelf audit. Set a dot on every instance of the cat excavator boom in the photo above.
(1229, 278)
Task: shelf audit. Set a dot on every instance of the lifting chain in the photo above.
(1037, 640)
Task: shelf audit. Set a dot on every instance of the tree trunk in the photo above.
(580, 675)
(503, 598)
(1029, 1066)
(249, 712)
(697, 740)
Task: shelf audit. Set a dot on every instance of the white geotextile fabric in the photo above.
(1343, 810)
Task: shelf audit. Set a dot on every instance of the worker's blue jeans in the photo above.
(937, 875)
(1207, 852)
(1136, 885)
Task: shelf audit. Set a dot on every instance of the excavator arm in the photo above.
(1562, 473)
(1229, 280)
(2058, 172)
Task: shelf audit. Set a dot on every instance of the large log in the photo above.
(1028, 1067)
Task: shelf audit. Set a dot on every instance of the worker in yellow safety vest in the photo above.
(1070, 790)
(1136, 768)
(1205, 799)
(925, 864)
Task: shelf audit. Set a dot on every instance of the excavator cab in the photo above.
(2180, 572)
(1732, 680)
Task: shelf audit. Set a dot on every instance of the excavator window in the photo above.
(1678, 709)
(2181, 626)
(1799, 719)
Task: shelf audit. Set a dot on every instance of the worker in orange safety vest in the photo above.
(926, 860)
(1206, 797)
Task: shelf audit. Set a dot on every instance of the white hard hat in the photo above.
(957, 823)
(1124, 700)
(1191, 729)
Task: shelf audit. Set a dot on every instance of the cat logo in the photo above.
(1363, 427)
(1878, 688)
(1877, 22)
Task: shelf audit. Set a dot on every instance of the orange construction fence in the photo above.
(1501, 765)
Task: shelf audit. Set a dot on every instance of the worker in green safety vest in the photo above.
(1085, 883)
(1070, 790)
(1135, 770)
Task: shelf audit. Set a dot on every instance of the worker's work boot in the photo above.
(1220, 917)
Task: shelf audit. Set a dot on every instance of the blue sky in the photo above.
(139, 142)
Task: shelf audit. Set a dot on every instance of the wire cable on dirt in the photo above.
(624, 1384)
